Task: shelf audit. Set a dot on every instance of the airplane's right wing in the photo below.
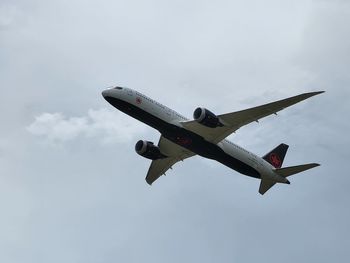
(235, 120)
(174, 152)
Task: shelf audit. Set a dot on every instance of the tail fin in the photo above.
(276, 156)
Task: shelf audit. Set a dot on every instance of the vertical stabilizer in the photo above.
(276, 156)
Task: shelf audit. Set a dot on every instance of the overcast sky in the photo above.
(72, 188)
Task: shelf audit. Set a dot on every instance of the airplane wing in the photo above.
(174, 152)
(234, 120)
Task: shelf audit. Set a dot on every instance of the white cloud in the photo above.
(102, 124)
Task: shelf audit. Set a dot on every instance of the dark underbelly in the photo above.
(185, 138)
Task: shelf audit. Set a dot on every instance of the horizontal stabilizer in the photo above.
(266, 184)
(288, 171)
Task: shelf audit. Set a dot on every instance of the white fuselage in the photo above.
(131, 99)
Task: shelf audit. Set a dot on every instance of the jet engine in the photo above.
(206, 118)
(148, 150)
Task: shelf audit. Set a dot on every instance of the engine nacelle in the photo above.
(206, 118)
(148, 150)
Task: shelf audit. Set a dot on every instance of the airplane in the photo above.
(205, 135)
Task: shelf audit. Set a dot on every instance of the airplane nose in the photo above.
(105, 93)
(111, 92)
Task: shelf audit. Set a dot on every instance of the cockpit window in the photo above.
(120, 88)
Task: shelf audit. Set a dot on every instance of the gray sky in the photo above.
(72, 188)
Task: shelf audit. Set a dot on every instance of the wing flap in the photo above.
(158, 168)
(235, 120)
(241, 118)
(174, 152)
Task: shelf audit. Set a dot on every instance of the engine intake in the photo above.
(206, 118)
(148, 150)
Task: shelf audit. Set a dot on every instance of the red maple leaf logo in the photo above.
(138, 100)
(184, 140)
(275, 160)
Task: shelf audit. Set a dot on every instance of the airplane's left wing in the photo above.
(174, 154)
(234, 120)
